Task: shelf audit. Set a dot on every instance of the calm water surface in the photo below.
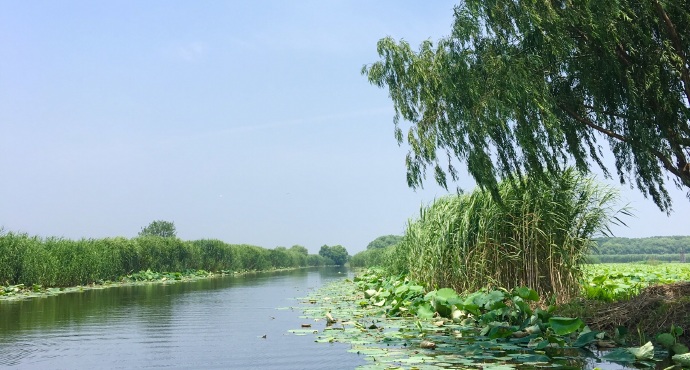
(214, 323)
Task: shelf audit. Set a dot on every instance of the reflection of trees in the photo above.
(149, 322)
(95, 306)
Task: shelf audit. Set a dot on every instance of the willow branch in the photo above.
(682, 173)
(675, 39)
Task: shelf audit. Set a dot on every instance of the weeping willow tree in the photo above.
(538, 236)
(523, 87)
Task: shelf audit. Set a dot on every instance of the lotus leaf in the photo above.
(646, 352)
(683, 360)
(679, 349)
(619, 355)
(565, 325)
(666, 340)
(527, 294)
(370, 293)
(425, 311)
(585, 339)
(401, 290)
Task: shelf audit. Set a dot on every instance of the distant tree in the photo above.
(160, 228)
(638, 246)
(299, 249)
(384, 241)
(528, 87)
(337, 253)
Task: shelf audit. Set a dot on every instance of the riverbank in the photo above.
(396, 324)
(21, 291)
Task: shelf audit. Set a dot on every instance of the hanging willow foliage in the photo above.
(524, 87)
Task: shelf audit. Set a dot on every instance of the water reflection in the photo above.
(213, 323)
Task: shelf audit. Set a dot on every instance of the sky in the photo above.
(248, 122)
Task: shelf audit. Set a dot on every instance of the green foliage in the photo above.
(504, 333)
(164, 229)
(299, 250)
(635, 258)
(32, 261)
(670, 341)
(336, 253)
(539, 236)
(524, 87)
(216, 255)
(375, 257)
(384, 241)
(492, 313)
(653, 245)
(613, 282)
(12, 249)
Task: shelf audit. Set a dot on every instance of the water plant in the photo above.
(60, 262)
(538, 235)
(395, 322)
(615, 281)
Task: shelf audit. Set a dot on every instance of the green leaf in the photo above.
(565, 325)
(683, 360)
(370, 293)
(527, 294)
(619, 355)
(401, 290)
(679, 349)
(425, 311)
(446, 293)
(500, 332)
(585, 339)
(666, 340)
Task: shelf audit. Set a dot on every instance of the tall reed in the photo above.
(537, 236)
(62, 262)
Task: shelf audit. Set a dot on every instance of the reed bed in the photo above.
(537, 236)
(59, 262)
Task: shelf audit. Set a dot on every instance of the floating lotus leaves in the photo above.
(646, 352)
(393, 337)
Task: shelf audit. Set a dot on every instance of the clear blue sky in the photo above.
(238, 120)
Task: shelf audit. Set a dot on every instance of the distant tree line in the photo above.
(653, 245)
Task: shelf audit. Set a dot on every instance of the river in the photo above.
(205, 324)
